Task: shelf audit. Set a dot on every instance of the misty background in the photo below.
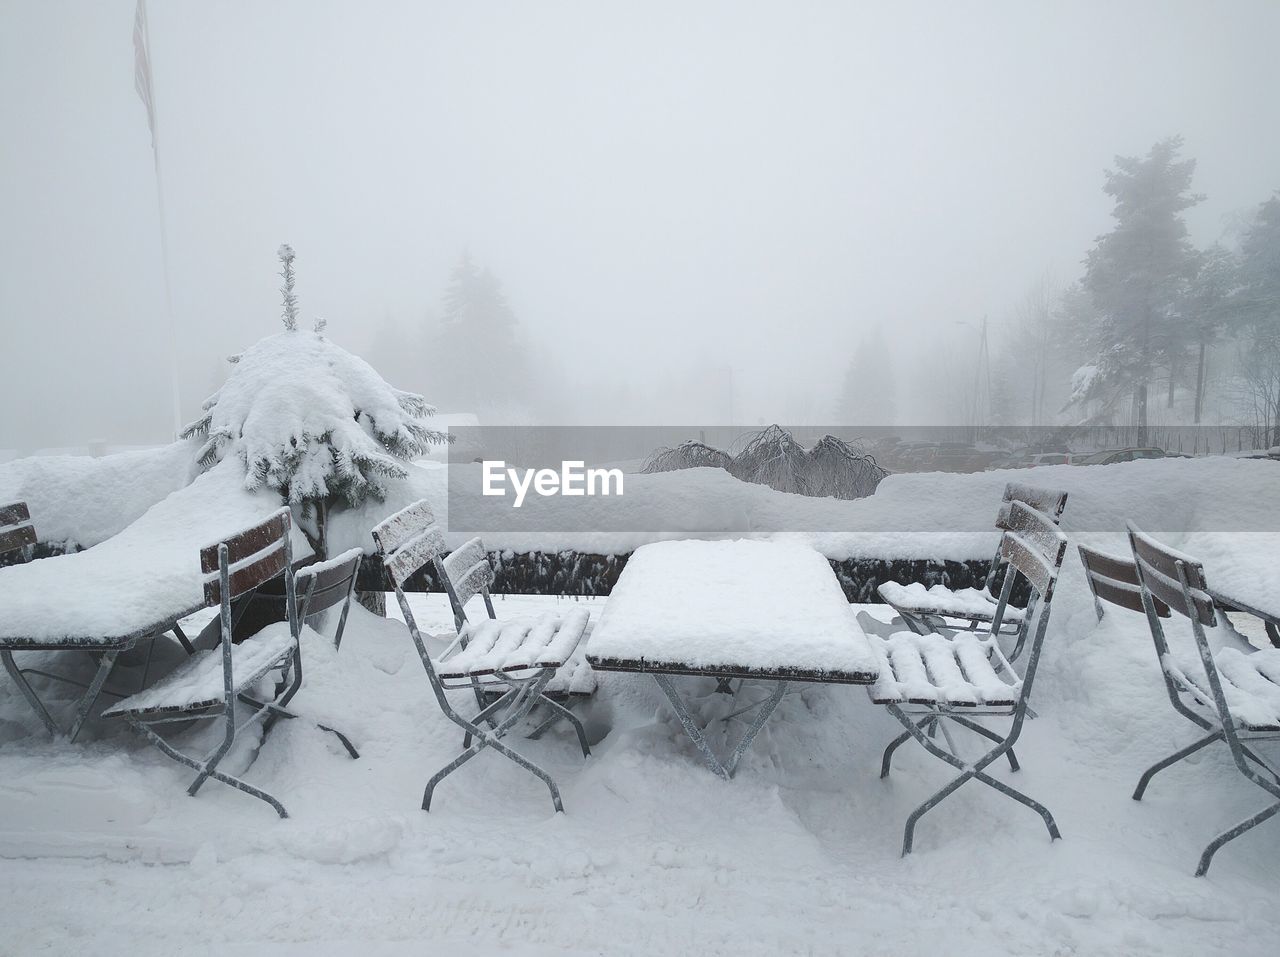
(679, 212)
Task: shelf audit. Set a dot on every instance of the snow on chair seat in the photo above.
(1250, 684)
(575, 678)
(198, 682)
(943, 601)
(930, 669)
(514, 646)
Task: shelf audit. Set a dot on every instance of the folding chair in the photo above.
(928, 680)
(326, 584)
(211, 684)
(519, 657)
(925, 610)
(1232, 694)
(465, 572)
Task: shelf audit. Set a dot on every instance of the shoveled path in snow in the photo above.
(104, 852)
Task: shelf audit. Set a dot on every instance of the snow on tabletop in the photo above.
(144, 576)
(731, 605)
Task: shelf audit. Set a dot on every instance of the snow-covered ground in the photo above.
(104, 853)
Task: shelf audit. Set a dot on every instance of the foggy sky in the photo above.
(656, 184)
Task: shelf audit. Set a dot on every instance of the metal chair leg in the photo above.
(1207, 857)
(1172, 759)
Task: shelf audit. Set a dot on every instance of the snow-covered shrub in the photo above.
(312, 421)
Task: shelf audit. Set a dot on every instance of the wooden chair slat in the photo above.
(414, 554)
(469, 570)
(15, 513)
(393, 532)
(1115, 580)
(1050, 501)
(1036, 528)
(13, 538)
(247, 577)
(245, 544)
(1165, 560)
(1169, 591)
(1026, 558)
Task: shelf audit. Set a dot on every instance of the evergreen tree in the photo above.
(1137, 275)
(869, 395)
(481, 363)
(1257, 311)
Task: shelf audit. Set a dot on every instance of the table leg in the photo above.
(700, 740)
(91, 695)
(27, 691)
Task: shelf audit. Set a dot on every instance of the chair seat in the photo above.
(197, 683)
(512, 646)
(969, 603)
(575, 678)
(1250, 683)
(932, 670)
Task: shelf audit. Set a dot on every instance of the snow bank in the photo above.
(143, 576)
(79, 500)
(934, 515)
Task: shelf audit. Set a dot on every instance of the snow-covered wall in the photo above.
(78, 500)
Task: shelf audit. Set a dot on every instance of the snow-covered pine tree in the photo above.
(1258, 309)
(312, 421)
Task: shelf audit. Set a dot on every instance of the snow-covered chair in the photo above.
(1231, 692)
(518, 658)
(927, 609)
(928, 680)
(223, 684)
(465, 572)
(325, 585)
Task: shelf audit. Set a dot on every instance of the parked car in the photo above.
(1112, 456)
(1049, 458)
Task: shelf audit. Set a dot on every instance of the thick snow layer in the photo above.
(104, 852)
(304, 415)
(79, 500)
(941, 600)
(920, 515)
(733, 606)
(146, 575)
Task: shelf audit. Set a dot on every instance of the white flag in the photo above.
(142, 66)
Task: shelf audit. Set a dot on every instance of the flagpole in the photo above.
(146, 90)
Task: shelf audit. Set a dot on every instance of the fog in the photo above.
(696, 211)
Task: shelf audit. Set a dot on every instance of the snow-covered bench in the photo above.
(522, 656)
(218, 684)
(926, 609)
(1231, 693)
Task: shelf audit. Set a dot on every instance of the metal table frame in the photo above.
(110, 650)
(663, 673)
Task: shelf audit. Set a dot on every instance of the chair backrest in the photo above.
(1161, 574)
(1048, 501)
(408, 541)
(16, 530)
(325, 584)
(1035, 546)
(466, 572)
(251, 557)
(1114, 579)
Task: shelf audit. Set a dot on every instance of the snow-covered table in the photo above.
(133, 587)
(742, 609)
(1242, 572)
